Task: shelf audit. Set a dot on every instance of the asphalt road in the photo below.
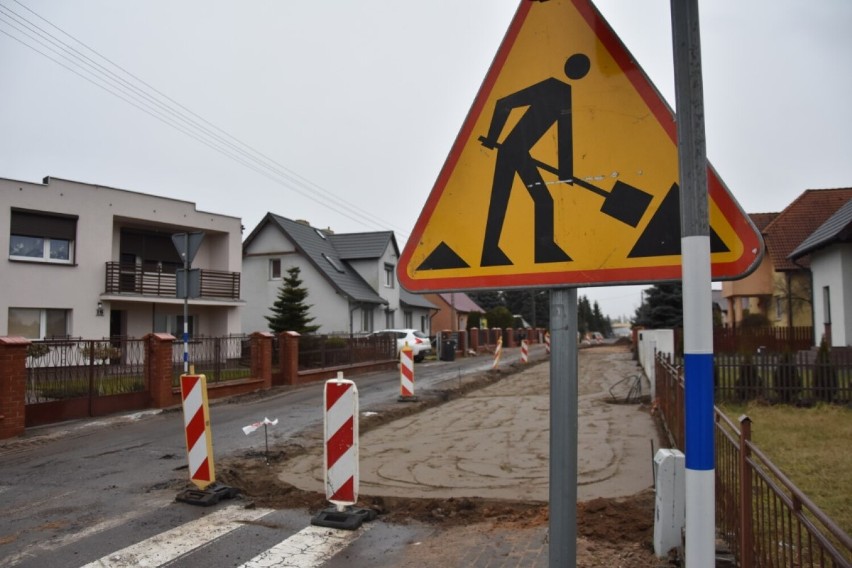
(74, 492)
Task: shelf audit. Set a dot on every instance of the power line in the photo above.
(156, 104)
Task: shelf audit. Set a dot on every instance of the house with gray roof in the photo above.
(828, 251)
(350, 277)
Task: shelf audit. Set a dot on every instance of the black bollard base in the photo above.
(208, 496)
(350, 519)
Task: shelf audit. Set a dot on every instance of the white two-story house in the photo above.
(350, 278)
(93, 262)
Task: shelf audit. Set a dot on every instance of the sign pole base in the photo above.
(208, 496)
(412, 398)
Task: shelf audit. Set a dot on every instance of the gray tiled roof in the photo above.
(322, 252)
(357, 246)
(837, 228)
(415, 300)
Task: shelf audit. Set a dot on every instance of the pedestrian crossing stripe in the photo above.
(308, 548)
(565, 172)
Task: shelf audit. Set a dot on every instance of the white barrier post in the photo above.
(406, 375)
(340, 463)
(525, 351)
(547, 342)
(199, 445)
(498, 352)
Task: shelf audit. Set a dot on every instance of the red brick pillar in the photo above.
(511, 338)
(289, 357)
(158, 369)
(474, 339)
(13, 385)
(261, 357)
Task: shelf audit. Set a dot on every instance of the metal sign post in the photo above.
(697, 295)
(187, 245)
(563, 427)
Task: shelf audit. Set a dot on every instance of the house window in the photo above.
(423, 324)
(408, 320)
(389, 275)
(367, 319)
(826, 305)
(390, 319)
(779, 309)
(275, 269)
(38, 323)
(173, 324)
(42, 237)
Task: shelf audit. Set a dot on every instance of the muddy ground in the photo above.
(473, 458)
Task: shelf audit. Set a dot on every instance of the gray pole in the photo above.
(562, 545)
(186, 304)
(697, 295)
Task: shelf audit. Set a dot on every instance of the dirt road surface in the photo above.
(476, 467)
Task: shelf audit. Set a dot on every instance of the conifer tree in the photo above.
(290, 312)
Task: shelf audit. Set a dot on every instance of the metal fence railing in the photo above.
(218, 358)
(322, 351)
(766, 520)
(786, 377)
(60, 369)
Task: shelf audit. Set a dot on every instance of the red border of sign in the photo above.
(717, 191)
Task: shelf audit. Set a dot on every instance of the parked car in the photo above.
(416, 339)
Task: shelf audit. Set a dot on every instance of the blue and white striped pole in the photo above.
(697, 295)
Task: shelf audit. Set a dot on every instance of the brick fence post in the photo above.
(13, 385)
(289, 357)
(463, 342)
(261, 357)
(474, 339)
(158, 368)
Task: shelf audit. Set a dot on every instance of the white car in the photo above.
(416, 339)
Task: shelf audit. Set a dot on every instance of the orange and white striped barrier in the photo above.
(341, 442)
(498, 352)
(196, 422)
(525, 351)
(547, 342)
(406, 374)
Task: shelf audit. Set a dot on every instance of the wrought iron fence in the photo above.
(59, 369)
(770, 338)
(792, 378)
(218, 358)
(323, 351)
(764, 517)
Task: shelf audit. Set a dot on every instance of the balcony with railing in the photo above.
(150, 279)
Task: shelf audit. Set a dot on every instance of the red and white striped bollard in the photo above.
(196, 422)
(525, 351)
(498, 352)
(406, 374)
(341, 442)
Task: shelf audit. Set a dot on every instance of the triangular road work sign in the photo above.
(565, 172)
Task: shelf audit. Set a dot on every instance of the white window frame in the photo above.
(408, 319)
(389, 279)
(42, 316)
(367, 319)
(47, 230)
(272, 268)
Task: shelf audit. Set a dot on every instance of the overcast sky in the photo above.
(343, 112)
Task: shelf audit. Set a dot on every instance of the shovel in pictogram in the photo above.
(623, 202)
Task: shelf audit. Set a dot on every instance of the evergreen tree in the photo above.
(290, 312)
(584, 316)
(487, 299)
(662, 308)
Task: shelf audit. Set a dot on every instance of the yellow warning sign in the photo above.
(565, 172)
